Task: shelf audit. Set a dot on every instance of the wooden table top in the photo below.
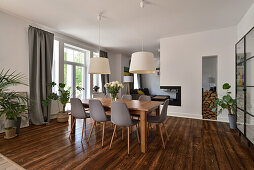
(134, 105)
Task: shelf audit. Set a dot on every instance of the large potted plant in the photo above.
(113, 88)
(12, 104)
(226, 103)
(62, 97)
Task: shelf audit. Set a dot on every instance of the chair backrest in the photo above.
(120, 114)
(127, 97)
(77, 109)
(164, 111)
(108, 95)
(97, 111)
(144, 98)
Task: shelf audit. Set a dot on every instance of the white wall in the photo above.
(14, 46)
(246, 23)
(181, 65)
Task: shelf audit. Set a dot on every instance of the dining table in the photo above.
(136, 107)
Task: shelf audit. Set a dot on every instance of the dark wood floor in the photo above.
(193, 144)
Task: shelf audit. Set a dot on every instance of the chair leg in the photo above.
(83, 129)
(137, 133)
(74, 122)
(85, 126)
(128, 140)
(122, 133)
(91, 131)
(112, 137)
(103, 129)
(163, 144)
(148, 129)
(166, 131)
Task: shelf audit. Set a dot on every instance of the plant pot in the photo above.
(62, 117)
(18, 123)
(10, 133)
(232, 121)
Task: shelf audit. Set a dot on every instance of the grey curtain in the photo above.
(104, 78)
(40, 67)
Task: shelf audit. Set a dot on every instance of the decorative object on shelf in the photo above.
(63, 97)
(96, 88)
(158, 71)
(226, 103)
(99, 65)
(142, 62)
(13, 105)
(113, 88)
(127, 80)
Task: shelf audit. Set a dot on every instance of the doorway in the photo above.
(209, 86)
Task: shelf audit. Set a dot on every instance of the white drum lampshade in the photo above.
(99, 65)
(142, 63)
(127, 79)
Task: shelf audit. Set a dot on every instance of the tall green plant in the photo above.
(226, 102)
(12, 104)
(63, 96)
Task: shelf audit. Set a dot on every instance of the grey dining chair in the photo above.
(78, 112)
(144, 98)
(98, 114)
(160, 120)
(127, 97)
(108, 95)
(120, 116)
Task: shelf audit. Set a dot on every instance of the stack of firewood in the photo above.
(208, 103)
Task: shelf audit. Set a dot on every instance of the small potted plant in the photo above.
(226, 103)
(63, 97)
(96, 88)
(12, 104)
(113, 88)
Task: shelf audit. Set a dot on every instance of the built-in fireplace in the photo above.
(175, 94)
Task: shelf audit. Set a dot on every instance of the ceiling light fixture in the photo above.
(99, 65)
(142, 62)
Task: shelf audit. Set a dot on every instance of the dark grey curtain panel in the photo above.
(40, 67)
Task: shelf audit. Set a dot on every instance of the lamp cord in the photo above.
(142, 24)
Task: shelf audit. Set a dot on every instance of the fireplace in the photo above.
(174, 93)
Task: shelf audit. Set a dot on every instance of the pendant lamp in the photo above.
(142, 62)
(99, 65)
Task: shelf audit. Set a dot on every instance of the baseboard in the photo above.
(185, 115)
(196, 116)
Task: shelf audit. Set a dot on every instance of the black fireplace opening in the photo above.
(174, 93)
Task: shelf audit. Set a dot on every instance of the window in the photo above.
(97, 77)
(136, 81)
(75, 70)
(55, 66)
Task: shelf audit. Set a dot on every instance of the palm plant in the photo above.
(12, 104)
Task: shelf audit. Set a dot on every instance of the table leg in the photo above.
(158, 114)
(72, 122)
(143, 130)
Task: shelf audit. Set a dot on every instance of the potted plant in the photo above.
(96, 88)
(12, 104)
(226, 103)
(113, 88)
(63, 97)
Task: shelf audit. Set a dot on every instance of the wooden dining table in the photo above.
(135, 107)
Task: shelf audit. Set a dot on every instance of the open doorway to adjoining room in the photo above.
(209, 86)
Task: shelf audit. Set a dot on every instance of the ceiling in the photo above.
(121, 22)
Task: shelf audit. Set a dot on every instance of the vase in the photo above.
(232, 121)
(113, 97)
